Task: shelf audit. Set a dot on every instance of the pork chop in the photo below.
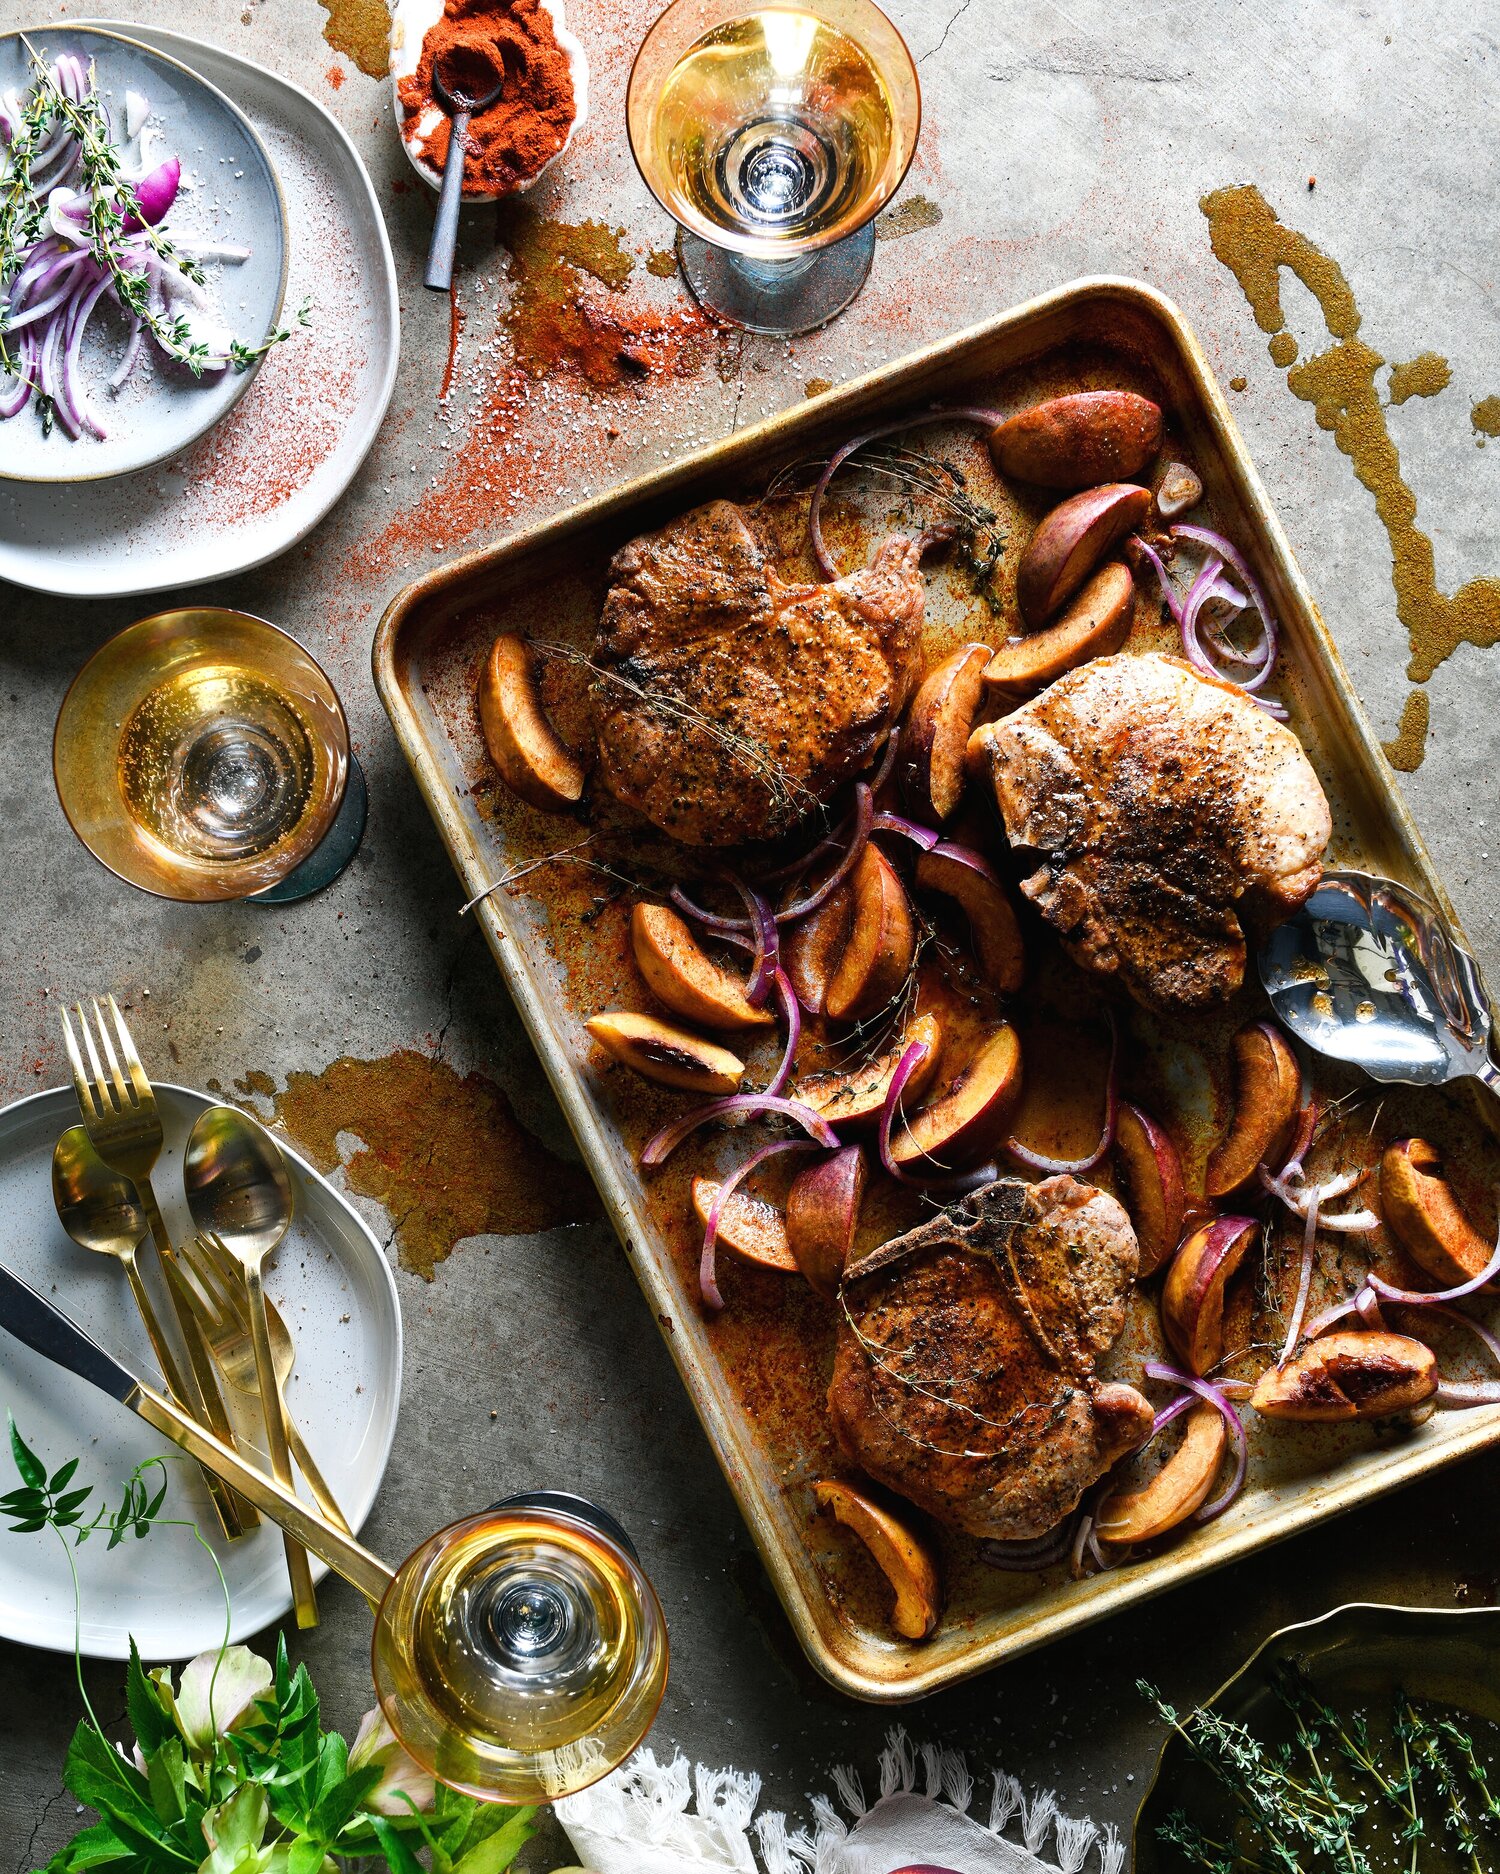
(1164, 811)
(964, 1372)
(730, 703)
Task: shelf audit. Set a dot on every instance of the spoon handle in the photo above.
(439, 274)
(1489, 1073)
(307, 1464)
(304, 1598)
(166, 1358)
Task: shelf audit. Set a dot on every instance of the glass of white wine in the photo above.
(773, 135)
(203, 755)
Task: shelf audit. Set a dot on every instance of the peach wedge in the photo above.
(1149, 1168)
(1267, 1089)
(899, 1553)
(960, 873)
(683, 977)
(1192, 1302)
(750, 1227)
(968, 1118)
(1348, 1376)
(1077, 441)
(1071, 541)
(1179, 1488)
(822, 1214)
(1095, 623)
(855, 1097)
(1425, 1217)
(876, 960)
(937, 732)
(533, 760)
(671, 1056)
(811, 948)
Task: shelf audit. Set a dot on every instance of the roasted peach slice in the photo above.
(1178, 1488)
(1094, 624)
(533, 759)
(856, 1098)
(1425, 1217)
(1071, 541)
(1192, 1302)
(1150, 1170)
(750, 1227)
(671, 1056)
(811, 948)
(1267, 1090)
(937, 731)
(1348, 1376)
(682, 975)
(959, 873)
(877, 959)
(902, 1557)
(971, 1113)
(822, 1214)
(1075, 441)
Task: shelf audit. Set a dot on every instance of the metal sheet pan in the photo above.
(754, 1374)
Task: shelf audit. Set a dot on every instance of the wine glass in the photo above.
(521, 1654)
(773, 135)
(203, 755)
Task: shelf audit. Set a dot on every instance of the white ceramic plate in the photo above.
(338, 1297)
(267, 474)
(229, 193)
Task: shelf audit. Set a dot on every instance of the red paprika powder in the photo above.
(512, 140)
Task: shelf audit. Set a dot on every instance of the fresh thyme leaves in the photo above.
(1417, 1798)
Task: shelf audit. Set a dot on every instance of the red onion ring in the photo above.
(1030, 1555)
(1419, 1298)
(765, 961)
(952, 1183)
(1464, 1395)
(1205, 1389)
(1350, 1222)
(922, 836)
(662, 1144)
(1023, 1155)
(864, 814)
(791, 1008)
(1460, 1319)
(708, 1286)
(1304, 1281)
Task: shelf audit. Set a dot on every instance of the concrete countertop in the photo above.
(1058, 141)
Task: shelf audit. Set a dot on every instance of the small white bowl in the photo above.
(411, 21)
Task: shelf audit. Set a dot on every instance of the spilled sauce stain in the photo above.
(361, 30)
(662, 263)
(910, 216)
(443, 1152)
(1340, 384)
(1283, 349)
(1424, 376)
(1406, 750)
(1485, 417)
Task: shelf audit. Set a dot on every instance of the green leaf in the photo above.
(399, 1857)
(335, 1809)
(513, 1828)
(307, 1857)
(31, 1467)
(29, 1527)
(72, 1499)
(61, 1477)
(97, 1846)
(164, 1775)
(150, 1718)
(23, 1499)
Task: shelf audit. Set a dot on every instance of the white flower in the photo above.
(401, 1775)
(234, 1830)
(217, 1694)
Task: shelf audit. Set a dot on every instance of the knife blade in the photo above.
(48, 1331)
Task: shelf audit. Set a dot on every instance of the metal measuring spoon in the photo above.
(461, 105)
(238, 1191)
(1369, 972)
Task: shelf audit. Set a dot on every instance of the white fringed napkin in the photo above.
(639, 1820)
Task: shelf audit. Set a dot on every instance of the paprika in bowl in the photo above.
(544, 101)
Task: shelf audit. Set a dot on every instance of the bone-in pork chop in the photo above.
(1164, 811)
(964, 1372)
(729, 702)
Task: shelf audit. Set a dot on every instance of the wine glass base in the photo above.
(337, 847)
(785, 296)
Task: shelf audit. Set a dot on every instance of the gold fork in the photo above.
(124, 1127)
(217, 1297)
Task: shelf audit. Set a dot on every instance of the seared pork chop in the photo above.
(1163, 808)
(964, 1372)
(730, 703)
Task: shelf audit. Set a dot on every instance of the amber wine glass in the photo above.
(203, 755)
(773, 135)
(521, 1654)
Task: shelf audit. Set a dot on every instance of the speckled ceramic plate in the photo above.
(337, 1294)
(229, 195)
(1358, 1657)
(265, 476)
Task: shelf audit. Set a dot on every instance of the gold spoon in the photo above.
(238, 1190)
(101, 1210)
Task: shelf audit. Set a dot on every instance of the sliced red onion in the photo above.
(128, 357)
(986, 419)
(1463, 1395)
(1367, 1307)
(661, 1145)
(1028, 1556)
(1418, 1298)
(882, 774)
(708, 1286)
(154, 195)
(1214, 1395)
(791, 1009)
(765, 961)
(1307, 1125)
(1460, 1319)
(1055, 1167)
(1232, 557)
(1304, 1280)
(912, 1057)
(864, 814)
(922, 836)
(1168, 590)
(1351, 1222)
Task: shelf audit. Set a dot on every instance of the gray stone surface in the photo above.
(1058, 141)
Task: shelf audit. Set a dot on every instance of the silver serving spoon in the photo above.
(461, 99)
(1370, 973)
